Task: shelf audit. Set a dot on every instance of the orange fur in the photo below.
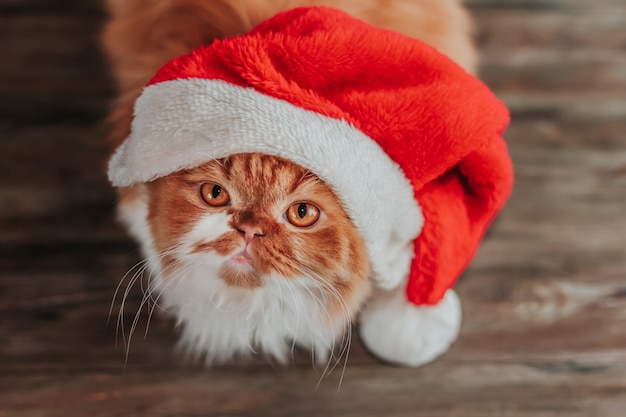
(262, 187)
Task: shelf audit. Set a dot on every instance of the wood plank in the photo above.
(541, 6)
(443, 389)
(44, 7)
(554, 51)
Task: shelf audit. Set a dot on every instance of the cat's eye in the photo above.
(302, 214)
(214, 194)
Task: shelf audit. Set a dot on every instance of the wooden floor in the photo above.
(545, 300)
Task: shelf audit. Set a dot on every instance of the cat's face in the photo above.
(252, 218)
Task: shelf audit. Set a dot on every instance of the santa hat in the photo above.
(407, 139)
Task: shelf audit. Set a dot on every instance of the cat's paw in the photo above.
(400, 332)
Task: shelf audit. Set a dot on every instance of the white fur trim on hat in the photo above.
(184, 123)
(400, 332)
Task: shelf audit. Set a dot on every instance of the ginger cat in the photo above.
(252, 252)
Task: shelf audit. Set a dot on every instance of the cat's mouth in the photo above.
(242, 258)
(239, 271)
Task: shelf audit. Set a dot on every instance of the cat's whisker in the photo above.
(319, 304)
(289, 284)
(117, 289)
(179, 278)
(345, 350)
(120, 319)
(346, 344)
(137, 275)
(331, 348)
(120, 316)
(222, 162)
(348, 319)
(134, 325)
(146, 296)
(306, 175)
(144, 265)
(330, 289)
(155, 301)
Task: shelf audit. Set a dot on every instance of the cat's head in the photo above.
(251, 220)
(250, 251)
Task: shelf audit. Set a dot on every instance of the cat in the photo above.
(251, 253)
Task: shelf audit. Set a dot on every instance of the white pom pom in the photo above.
(403, 333)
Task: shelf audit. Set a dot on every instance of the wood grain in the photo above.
(544, 300)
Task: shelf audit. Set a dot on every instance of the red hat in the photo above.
(408, 140)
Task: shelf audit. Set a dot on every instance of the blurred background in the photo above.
(544, 300)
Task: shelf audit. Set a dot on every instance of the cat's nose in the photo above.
(250, 232)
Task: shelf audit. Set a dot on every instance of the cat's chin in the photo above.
(239, 271)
